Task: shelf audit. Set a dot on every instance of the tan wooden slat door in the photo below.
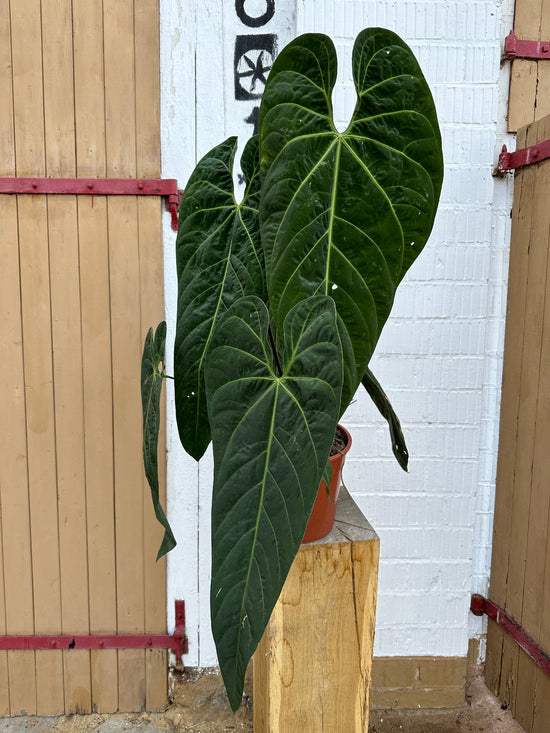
(520, 573)
(529, 79)
(80, 283)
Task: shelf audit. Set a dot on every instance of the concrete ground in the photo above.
(200, 706)
(482, 713)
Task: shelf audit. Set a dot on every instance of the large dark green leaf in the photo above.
(219, 259)
(272, 434)
(152, 374)
(380, 399)
(346, 213)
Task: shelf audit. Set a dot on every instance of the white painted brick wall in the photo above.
(441, 353)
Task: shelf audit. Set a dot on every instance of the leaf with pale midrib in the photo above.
(346, 213)
(152, 375)
(272, 435)
(219, 259)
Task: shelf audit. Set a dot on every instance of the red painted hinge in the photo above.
(524, 156)
(515, 48)
(177, 643)
(166, 187)
(481, 605)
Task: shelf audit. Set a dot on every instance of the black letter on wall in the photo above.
(255, 21)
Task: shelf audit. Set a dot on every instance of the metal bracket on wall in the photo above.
(165, 187)
(516, 48)
(522, 157)
(177, 643)
(480, 605)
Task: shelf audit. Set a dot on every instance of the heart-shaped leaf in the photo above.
(272, 433)
(346, 213)
(219, 259)
(152, 374)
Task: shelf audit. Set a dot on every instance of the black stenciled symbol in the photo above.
(253, 119)
(255, 21)
(253, 59)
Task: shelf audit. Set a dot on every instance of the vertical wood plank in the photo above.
(541, 703)
(60, 154)
(152, 312)
(27, 87)
(120, 92)
(156, 680)
(147, 60)
(96, 346)
(537, 238)
(511, 380)
(543, 85)
(524, 74)
(98, 440)
(15, 542)
(538, 505)
(59, 110)
(523, 84)
(4, 677)
(132, 683)
(104, 677)
(120, 120)
(69, 421)
(35, 294)
(541, 698)
(127, 419)
(14, 494)
(89, 77)
(33, 242)
(7, 139)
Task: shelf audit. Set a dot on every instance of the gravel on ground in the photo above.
(199, 705)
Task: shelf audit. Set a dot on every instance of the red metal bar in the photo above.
(515, 48)
(179, 629)
(97, 186)
(524, 156)
(480, 605)
(167, 187)
(177, 643)
(89, 641)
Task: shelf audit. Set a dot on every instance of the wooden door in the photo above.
(520, 573)
(80, 282)
(530, 79)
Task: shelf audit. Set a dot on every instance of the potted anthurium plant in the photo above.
(282, 297)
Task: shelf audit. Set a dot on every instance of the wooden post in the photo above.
(312, 668)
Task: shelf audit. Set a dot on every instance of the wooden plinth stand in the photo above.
(312, 668)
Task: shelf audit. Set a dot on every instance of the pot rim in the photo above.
(346, 448)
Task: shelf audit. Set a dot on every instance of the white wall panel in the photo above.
(205, 98)
(440, 355)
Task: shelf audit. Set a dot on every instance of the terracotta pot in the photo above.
(322, 515)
